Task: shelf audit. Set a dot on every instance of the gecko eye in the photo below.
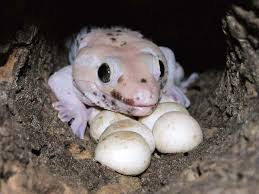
(162, 68)
(104, 73)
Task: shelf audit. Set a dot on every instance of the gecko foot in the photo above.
(78, 115)
(64, 114)
(186, 83)
(178, 96)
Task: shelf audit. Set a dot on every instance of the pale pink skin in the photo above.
(135, 85)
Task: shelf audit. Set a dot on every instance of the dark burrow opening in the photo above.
(193, 30)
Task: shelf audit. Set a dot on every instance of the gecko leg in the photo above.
(178, 96)
(77, 114)
(190, 80)
(69, 107)
(177, 93)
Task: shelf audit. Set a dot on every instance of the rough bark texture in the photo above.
(39, 154)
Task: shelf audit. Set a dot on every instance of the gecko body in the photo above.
(115, 69)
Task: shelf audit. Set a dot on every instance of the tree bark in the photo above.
(233, 165)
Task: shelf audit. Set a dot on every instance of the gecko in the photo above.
(115, 69)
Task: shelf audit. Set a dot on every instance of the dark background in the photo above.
(191, 28)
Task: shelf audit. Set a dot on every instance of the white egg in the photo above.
(125, 152)
(176, 132)
(94, 113)
(131, 125)
(165, 98)
(161, 109)
(101, 121)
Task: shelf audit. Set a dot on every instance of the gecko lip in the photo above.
(138, 105)
(130, 101)
(145, 106)
(141, 110)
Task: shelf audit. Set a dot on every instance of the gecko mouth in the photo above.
(130, 102)
(146, 106)
(135, 110)
(113, 101)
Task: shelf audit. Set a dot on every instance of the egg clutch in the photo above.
(126, 145)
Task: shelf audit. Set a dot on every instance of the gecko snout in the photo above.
(142, 92)
(145, 98)
(146, 94)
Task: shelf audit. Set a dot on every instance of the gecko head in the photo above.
(126, 79)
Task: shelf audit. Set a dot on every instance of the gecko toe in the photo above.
(57, 105)
(78, 127)
(64, 117)
(189, 81)
(178, 96)
(77, 115)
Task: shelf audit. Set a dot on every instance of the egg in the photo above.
(176, 132)
(101, 121)
(165, 98)
(161, 109)
(94, 113)
(125, 152)
(134, 126)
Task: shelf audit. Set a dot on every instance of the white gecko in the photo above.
(116, 69)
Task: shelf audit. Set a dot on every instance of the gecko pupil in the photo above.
(104, 73)
(162, 68)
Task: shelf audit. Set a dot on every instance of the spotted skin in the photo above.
(135, 82)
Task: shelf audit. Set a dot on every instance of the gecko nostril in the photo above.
(143, 80)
